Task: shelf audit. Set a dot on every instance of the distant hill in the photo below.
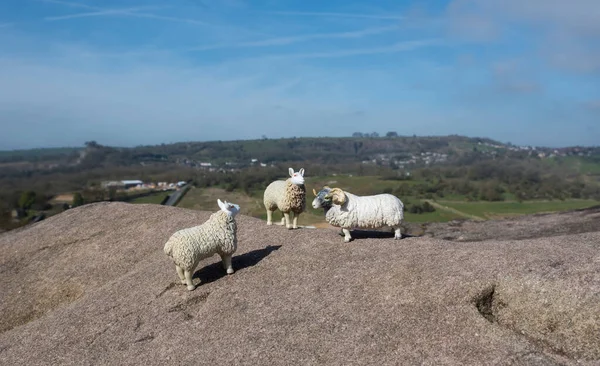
(390, 150)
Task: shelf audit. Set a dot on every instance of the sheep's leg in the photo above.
(397, 233)
(226, 259)
(269, 217)
(296, 220)
(288, 223)
(347, 236)
(188, 280)
(180, 274)
(282, 220)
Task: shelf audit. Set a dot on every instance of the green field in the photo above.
(155, 198)
(582, 165)
(588, 167)
(490, 210)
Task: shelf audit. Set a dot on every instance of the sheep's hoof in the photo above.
(397, 237)
(229, 270)
(347, 240)
(269, 223)
(289, 227)
(191, 287)
(183, 282)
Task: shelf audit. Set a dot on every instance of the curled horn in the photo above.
(338, 196)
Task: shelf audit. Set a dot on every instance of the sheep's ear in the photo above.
(302, 172)
(291, 172)
(326, 187)
(314, 192)
(221, 204)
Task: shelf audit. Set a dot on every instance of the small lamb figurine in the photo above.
(289, 196)
(346, 210)
(218, 235)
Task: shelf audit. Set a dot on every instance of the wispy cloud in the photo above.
(135, 13)
(571, 54)
(397, 47)
(281, 41)
(565, 33)
(337, 15)
(593, 105)
(127, 11)
(174, 19)
(302, 38)
(519, 86)
(131, 12)
(71, 4)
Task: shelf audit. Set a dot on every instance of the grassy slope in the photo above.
(155, 198)
(41, 152)
(489, 210)
(582, 165)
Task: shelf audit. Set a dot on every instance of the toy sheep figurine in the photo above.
(218, 235)
(346, 210)
(289, 196)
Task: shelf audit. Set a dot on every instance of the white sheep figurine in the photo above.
(289, 196)
(218, 235)
(348, 211)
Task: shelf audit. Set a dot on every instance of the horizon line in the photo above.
(381, 136)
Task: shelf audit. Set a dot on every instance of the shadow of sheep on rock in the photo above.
(374, 234)
(215, 271)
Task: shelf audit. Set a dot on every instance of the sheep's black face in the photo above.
(320, 200)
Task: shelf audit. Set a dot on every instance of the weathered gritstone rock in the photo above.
(93, 286)
(551, 312)
(518, 228)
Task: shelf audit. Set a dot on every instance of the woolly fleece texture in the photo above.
(187, 247)
(286, 196)
(351, 211)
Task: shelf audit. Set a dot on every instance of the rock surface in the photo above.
(92, 286)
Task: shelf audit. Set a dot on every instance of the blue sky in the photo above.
(134, 72)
